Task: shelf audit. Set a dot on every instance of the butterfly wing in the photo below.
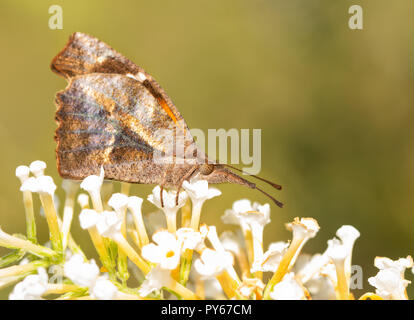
(110, 114)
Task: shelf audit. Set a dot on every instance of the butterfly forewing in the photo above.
(108, 117)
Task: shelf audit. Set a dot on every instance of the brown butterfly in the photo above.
(108, 116)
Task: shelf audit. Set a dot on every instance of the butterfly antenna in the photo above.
(274, 185)
(278, 203)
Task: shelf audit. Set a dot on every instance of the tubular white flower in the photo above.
(234, 243)
(212, 263)
(42, 185)
(10, 241)
(390, 282)
(82, 273)
(119, 202)
(103, 289)
(155, 280)
(109, 224)
(272, 257)
(304, 228)
(22, 172)
(70, 187)
(338, 252)
(232, 216)
(92, 184)
(134, 206)
(88, 218)
(167, 251)
(29, 184)
(199, 192)
(170, 208)
(83, 200)
(321, 288)
(217, 245)
(37, 168)
(251, 286)
(190, 239)
(32, 287)
(230, 242)
(348, 235)
(256, 220)
(45, 187)
(288, 289)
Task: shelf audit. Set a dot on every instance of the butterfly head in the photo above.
(219, 173)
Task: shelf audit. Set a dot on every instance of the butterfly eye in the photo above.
(206, 169)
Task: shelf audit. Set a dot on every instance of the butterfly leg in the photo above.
(161, 197)
(185, 177)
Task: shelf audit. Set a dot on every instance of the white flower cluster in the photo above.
(190, 261)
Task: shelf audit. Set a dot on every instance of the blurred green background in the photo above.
(335, 105)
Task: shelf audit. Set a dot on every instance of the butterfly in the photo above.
(110, 116)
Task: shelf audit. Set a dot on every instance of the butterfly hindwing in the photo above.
(109, 120)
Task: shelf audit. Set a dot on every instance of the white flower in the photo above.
(189, 238)
(199, 190)
(29, 184)
(88, 218)
(218, 247)
(83, 200)
(389, 281)
(167, 251)
(119, 202)
(38, 168)
(348, 235)
(304, 228)
(272, 257)
(250, 286)
(32, 287)
(243, 212)
(109, 224)
(155, 280)
(168, 199)
(168, 204)
(22, 172)
(336, 250)
(230, 242)
(254, 219)
(93, 183)
(288, 289)
(232, 216)
(42, 185)
(82, 273)
(321, 288)
(213, 263)
(329, 271)
(257, 218)
(103, 289)
(135, 204)
(307, 267)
